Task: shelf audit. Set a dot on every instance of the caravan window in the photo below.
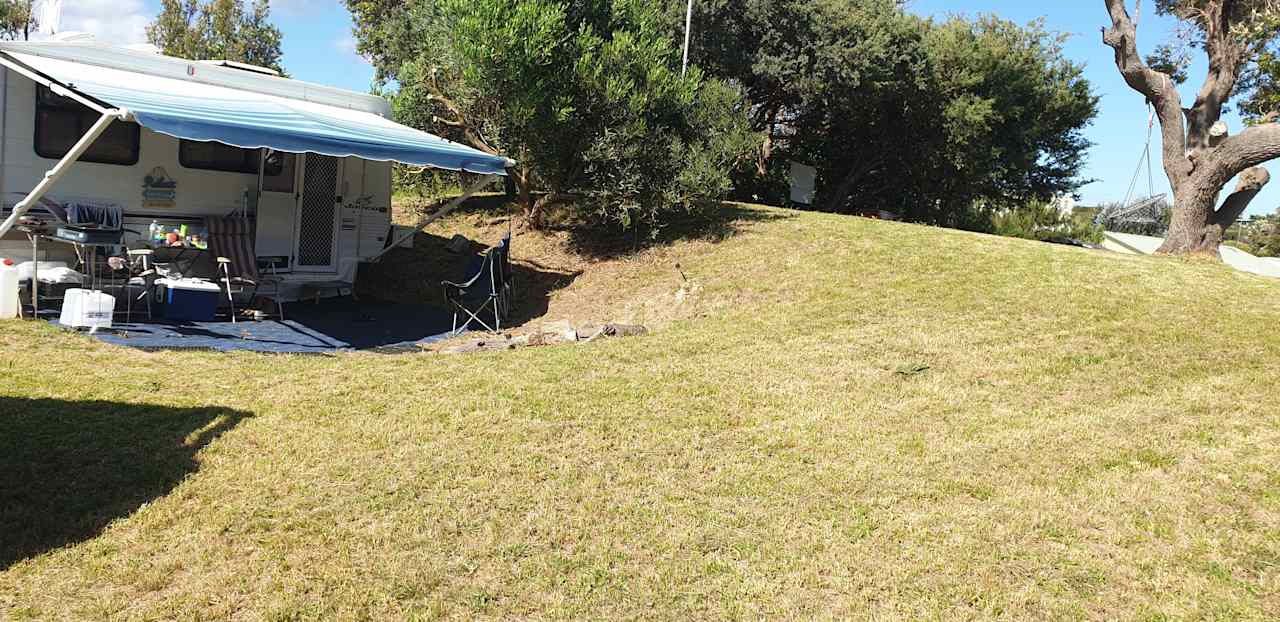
(61, 121)
(215, 156)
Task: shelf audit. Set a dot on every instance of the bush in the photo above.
(588, 97)
(1042, 221)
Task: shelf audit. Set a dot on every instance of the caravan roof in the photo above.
(217, 73)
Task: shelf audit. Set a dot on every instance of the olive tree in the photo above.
(588, 97)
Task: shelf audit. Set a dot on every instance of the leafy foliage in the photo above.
(902, 114)
(921, 118)
(1173, 60)
(16, 19)
(1040, 220)
(1259, 235)
(217, 29)
(586, 95)
(1262, 83)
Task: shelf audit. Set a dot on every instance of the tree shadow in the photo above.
(413, 275)
(69, 468)
(716, 225)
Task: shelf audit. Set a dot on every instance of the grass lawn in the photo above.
(834, 418)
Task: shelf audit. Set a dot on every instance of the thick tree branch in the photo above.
(1251, 183)
(460, 122)
(1158, 88)
(436, 94)
(1226, 60)
(1254, 146)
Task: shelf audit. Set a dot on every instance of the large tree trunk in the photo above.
(537, 212)
(1189, 228)
(1197, 228)
(524, 189)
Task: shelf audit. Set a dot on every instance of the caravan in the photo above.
(168, 145)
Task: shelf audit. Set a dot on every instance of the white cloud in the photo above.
(112, 21)
(346, 44)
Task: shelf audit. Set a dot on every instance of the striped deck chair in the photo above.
(231, 239)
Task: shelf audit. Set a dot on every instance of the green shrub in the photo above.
(1042, 221)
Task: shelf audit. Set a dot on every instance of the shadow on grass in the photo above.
(715, 226)
(67, 469)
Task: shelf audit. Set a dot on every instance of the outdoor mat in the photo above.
(310, 328)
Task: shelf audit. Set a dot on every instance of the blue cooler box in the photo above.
(186, 300)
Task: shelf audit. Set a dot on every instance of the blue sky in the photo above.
(318, 47)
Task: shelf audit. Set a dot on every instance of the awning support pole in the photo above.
(54, 174)
(444, 211)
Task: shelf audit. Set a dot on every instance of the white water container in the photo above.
(71, 301)
(82, 308)
(8, 290)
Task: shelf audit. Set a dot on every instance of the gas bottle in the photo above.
(8, 290)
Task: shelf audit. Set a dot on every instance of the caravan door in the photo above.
(316, 237)
(277, 212)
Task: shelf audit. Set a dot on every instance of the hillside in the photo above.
(837, 418)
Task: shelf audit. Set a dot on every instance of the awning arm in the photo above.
(444, 211)
(54, 174)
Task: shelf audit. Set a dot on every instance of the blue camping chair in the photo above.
(482, 292)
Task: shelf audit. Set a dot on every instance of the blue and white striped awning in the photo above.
(207, 112)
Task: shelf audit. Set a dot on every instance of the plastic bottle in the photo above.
(8, 290)
(153, 232)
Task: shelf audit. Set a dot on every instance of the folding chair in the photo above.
(143, 274)
(231, 238)
(481, 292)
(506, 278)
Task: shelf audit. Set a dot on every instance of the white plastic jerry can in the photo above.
(8, 290)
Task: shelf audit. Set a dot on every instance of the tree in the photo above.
(217, 29)
(1200, 157)
(943, 122)
(1260, 235)
(587, 96)
(16, 19)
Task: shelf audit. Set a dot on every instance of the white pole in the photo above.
(59, 169)
(688, 27)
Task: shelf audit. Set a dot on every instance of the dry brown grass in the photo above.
(564, 272)
(843, 419)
